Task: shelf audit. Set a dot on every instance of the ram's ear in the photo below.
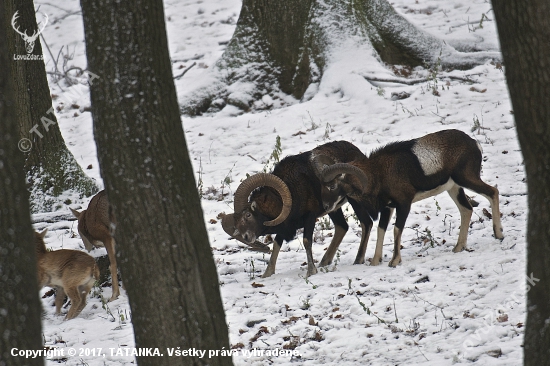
(321, 162)
(253, 206)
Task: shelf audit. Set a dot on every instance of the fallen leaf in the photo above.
(292, 319)
(503, 318)
(478, 90)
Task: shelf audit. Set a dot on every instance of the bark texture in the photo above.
(50, 166)
(524, 30)
(20, 323)
(162, 245)
(285, 47)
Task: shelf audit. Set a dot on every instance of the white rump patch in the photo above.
(429, 157)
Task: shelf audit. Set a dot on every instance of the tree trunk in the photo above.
(524, 30)
(50, 166)
(283, 49)
(165, 258)
(20, 324)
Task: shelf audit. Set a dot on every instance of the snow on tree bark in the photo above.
(20, 310)
(165, 257)
(53, 175)
(286, 49)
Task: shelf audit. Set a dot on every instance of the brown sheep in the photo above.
(70, 272)
(94, 226)
(401, 173)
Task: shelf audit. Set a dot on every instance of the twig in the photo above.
(417, 81)
(513, 194)
(55, 6)
(48, 47)
(53, 59)
(469, 23)
(185, 71)
(78, 12)
(52, 218)
(421, 351)
(57, 73)
(196, 57)
(437, 306)
(395, 80)
(68, 12)
(395, 311)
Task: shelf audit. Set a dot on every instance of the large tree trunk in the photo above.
(20, 325)
(165, 257)
(524, 30)
(284, 48)
(53, 175)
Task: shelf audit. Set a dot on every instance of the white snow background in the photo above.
(439, 307)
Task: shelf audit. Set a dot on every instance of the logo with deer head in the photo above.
(29, 40)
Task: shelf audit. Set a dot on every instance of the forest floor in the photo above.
(437, 308)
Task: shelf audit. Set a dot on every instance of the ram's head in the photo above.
(249, 220)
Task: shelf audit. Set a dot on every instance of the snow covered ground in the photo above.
(437, 308)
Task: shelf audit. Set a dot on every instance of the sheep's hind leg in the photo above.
(110, 246)
(385, 218)
(465, 208)
(475, 183)
(74, 295)
(59, 299)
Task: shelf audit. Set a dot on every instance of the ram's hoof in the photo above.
(375, 261)
(458, 248)
(325, 262)
(394, 262)
(311, 271)
(268, 272)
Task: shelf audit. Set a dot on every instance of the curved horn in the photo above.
(330, 172)
(228, 225)
(320, 162)
(261, 180)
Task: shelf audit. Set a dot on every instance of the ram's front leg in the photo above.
(366, 227)
(274, 254)
(340, 229)
(401, 217)
(309, 225)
